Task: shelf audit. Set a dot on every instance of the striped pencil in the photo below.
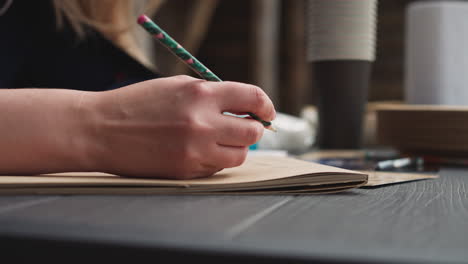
(186, 57)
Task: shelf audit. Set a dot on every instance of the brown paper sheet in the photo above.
(378, 178)
(259, 174)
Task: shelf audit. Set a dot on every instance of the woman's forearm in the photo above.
(43, 130)
(167, 128)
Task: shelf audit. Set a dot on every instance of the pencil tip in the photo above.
(271, 128)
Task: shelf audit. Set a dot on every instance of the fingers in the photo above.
(228, 157)
(238, 132)
(239, 97)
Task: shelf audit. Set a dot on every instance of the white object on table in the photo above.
(436, 66)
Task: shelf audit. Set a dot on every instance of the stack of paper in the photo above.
(258, 175)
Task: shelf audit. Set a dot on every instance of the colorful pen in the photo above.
(186, 57)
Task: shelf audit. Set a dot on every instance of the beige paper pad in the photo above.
(257, 175)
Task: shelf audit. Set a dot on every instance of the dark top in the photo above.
(35, 53)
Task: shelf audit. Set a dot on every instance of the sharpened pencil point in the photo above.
(272, 129)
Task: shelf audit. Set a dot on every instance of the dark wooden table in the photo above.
(417, 222)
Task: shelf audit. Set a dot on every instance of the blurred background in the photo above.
(263, 42)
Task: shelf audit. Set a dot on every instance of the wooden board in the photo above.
(425, 129)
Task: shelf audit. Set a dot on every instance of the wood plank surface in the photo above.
(416, 222)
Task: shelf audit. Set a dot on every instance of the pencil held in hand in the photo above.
(186, 57)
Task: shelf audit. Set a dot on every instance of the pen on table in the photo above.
(187, 58)
(401, 163)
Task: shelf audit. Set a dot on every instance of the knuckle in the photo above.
(190, 124)
(187, 121)
(199, 90)
(194, 128)
(184, 128)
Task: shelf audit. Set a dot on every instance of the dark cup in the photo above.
(341, 87)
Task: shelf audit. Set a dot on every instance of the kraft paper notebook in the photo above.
(258, 175)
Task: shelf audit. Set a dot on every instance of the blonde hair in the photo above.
(114, 19)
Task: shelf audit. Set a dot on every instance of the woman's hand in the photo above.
(174, 127)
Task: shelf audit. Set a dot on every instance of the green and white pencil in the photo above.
(186, 57)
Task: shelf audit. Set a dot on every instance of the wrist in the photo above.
(88, 142)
